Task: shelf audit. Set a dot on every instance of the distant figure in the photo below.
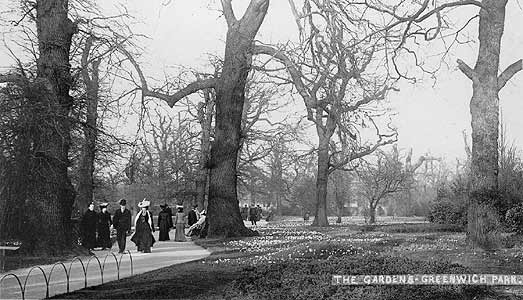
(197, 227)
(122, 224)
(169, 211)
(179, 235)
(253, 214)
(143, 224)
(245, 212)
(270, 215)
(306, 216)
(104, 227)
(165, 223)
(259, 212)
(192, 217)
(88, 228)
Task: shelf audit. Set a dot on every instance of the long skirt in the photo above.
(179, 235)
(104, 237)
(144, 240)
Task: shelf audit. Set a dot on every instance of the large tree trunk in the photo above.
(51, 194)
(205, 115)
(224, 212)
(322, 179)
(484, 108)
(277, 179)
(86, 171)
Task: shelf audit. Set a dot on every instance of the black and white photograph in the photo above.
(261, 149)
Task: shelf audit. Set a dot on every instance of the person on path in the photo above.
(258, 213)
(192, 217)
(179, 235)
(197, 227)
(165, 223)
(88, 228)
(245, 212)
(144, 227)
(104, 227)
(122, 224)
(253, 214)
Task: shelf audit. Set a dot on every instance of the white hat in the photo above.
(179, 206)
(144, 203)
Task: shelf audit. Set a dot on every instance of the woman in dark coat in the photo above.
(88, 227)
(165, 223)
(144, 227)
(104, 228)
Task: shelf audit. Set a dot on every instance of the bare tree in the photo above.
(51, 191)
(484, 108)
(223, 210)
(337, 83)
(419, 20)
(386, 176)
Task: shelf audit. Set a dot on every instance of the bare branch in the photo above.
(468, 71)
(171, 99)
(509, 72)
(228, 12)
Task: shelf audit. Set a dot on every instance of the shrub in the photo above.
(514, 219)
(449, 211)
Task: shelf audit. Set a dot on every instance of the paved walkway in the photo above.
(163, 254)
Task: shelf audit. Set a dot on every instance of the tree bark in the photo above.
(277, 177)
(51, 193)
(372, 214)
(322, 179)
(205, 116)
(483, 224)
(224, 212)
(86, 170)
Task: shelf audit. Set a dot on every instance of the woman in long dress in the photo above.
(179, 235)
(104, 227)
(144, 227)
(165, 223)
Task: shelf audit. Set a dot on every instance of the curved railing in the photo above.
(67, 271)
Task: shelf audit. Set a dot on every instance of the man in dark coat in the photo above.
(192, 217)
(165, 223)
(245, 212)
(259, 212)
(122, 224)
(253, 214)
(104, 227)
(88, 227)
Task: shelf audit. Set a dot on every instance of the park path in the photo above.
(163, 254)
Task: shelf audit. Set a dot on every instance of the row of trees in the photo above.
(346, 61)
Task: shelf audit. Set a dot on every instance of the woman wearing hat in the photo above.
(144, 227)
(179, 235)
(104, 226)
(88, 227)
(165, 223)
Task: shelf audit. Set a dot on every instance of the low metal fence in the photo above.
(47, 277)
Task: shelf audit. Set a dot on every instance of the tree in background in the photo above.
(386, 176)
(337, 83)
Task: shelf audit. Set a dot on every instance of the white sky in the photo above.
(428, 118)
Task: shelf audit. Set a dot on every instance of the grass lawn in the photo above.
(292, 261)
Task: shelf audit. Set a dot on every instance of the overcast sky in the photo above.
(428, 118)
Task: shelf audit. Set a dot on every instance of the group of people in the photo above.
(96, 226)
(253, 213)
